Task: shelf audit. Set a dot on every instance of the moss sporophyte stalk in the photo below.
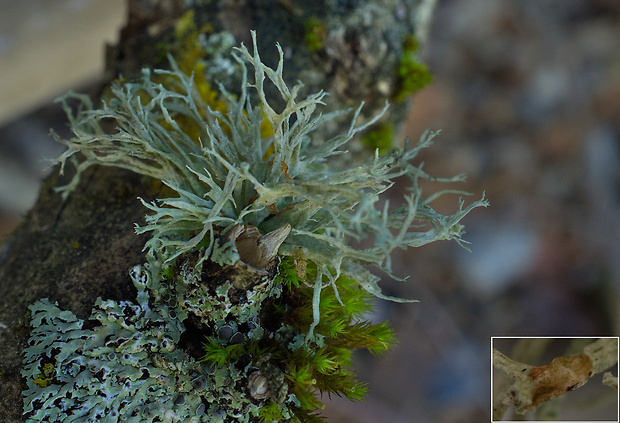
(252, 297)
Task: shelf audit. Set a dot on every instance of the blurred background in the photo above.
(47, 47)
(527, 95)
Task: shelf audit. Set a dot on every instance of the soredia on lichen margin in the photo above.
(258, 226)
(233, 175)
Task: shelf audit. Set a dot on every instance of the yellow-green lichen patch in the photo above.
(46, 377)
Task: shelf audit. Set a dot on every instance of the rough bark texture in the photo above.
(351, 49)
(76, 251)
(71, 252)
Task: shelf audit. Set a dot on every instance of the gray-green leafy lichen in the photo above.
(128, 367)
(258, 226)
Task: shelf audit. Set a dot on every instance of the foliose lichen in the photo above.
(252, 297)
(129, 367)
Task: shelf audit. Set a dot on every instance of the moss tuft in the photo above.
(380, 138)
(412, 73)
(315, 34)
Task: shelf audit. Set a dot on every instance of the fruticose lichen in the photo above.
(252, 297)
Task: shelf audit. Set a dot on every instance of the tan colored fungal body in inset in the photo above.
(563, 374)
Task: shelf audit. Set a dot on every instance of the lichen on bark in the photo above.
(251, 194)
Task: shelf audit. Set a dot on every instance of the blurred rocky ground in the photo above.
(527, 95)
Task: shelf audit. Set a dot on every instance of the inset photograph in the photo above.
(554, 379)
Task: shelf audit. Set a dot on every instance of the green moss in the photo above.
(270, 412)
(47, 375)
(221, 355)
(380, 138)
(412, 73)
(315, 34)
(323, 364)
(168, 272)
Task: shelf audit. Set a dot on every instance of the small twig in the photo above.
(532, 386)
(610, 380)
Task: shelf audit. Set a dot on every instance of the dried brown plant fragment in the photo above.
(563, 374)
(257, 255)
